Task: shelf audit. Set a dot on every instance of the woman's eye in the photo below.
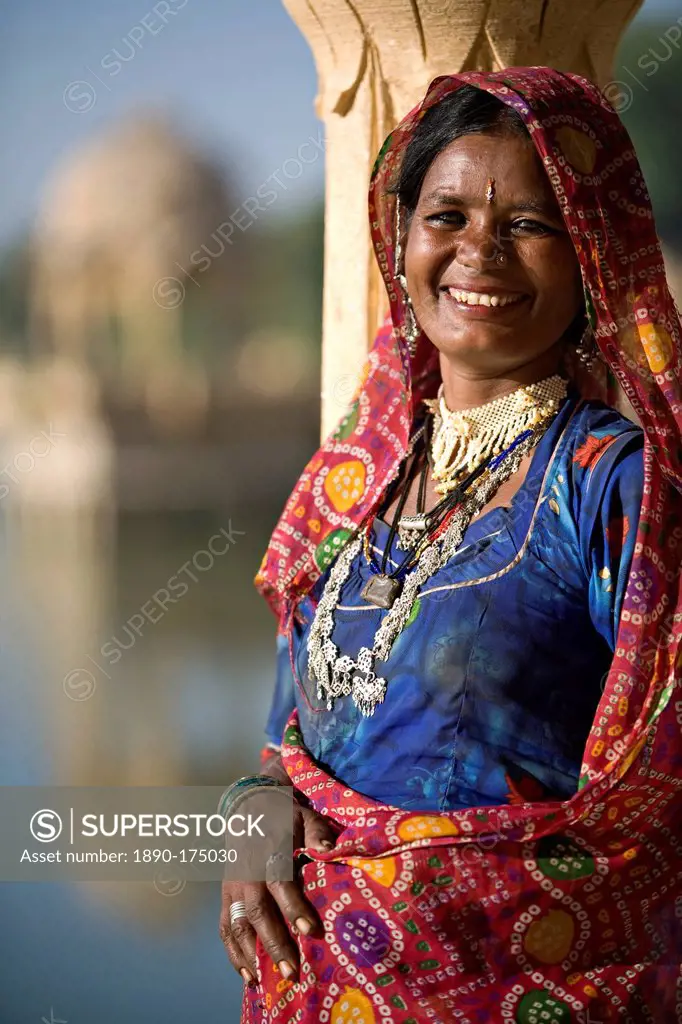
(450, 217)
(530, 227)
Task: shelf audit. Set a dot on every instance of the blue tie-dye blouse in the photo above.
(494, 683)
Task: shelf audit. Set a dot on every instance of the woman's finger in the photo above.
(318, 831)
(265, 918)
(299, 827)
(294, 906)
(231, 893)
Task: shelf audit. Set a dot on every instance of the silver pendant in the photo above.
(410, 530)
(368, 691)
(381, 590)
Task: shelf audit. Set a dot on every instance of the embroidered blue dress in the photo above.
(494, 683)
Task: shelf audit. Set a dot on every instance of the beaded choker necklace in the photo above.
(462, 440)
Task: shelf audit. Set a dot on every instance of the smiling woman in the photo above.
(491, 270)
(477, 583)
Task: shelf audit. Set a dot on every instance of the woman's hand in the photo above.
(269, 906)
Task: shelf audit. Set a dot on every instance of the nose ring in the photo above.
(501, 258)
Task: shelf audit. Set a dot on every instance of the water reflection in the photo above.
(184, 704)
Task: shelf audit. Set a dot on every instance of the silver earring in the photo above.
(410, 327)
(586, 349)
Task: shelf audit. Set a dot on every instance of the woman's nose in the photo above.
(477, 246)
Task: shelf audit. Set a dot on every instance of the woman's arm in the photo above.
(282, 704)
(272, 908)
(611, 499)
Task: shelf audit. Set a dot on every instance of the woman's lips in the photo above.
(483, 304)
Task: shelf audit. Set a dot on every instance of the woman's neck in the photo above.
(464, 392)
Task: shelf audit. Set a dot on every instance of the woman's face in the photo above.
(453, 237)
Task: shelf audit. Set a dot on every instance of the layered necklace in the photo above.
(471, 454)
(462, 441)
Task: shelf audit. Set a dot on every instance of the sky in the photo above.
(236, 75)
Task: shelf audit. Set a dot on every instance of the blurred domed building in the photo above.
(128, 226)
(146, 280)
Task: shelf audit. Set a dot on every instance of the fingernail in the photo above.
(303, 925)
(286, 968)
(246, 976)
(326, 845)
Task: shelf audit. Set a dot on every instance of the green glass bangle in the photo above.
(229, 797)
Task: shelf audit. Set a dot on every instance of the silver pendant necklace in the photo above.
(340, 675)
(382, 587)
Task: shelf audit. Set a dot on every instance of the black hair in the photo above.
(463, 112)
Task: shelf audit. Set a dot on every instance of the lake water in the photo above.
(184, 704)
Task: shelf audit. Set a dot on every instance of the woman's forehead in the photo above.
(466, 164)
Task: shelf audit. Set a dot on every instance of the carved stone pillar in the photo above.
(375, 59)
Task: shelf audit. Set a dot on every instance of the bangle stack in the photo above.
(278, 864)
(233, 794)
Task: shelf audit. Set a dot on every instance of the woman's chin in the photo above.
(456, 327)
(482, 355)
(483, 347)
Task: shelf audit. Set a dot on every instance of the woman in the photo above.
(477, 581)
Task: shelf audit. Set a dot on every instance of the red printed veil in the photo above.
(551, 907)
(591, 163)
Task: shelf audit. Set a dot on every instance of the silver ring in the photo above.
(237, 910)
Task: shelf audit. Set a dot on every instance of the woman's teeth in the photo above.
(483, 298)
